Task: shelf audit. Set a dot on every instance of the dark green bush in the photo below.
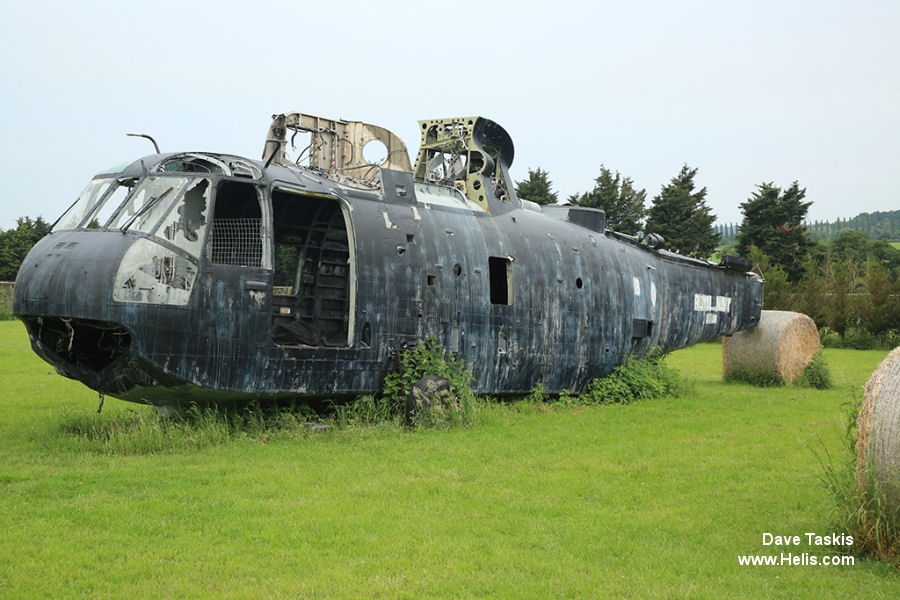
(858, 338)
(635, 380)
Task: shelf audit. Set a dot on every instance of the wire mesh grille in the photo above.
(236, 242)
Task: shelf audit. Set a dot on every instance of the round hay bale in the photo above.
(779, 347)
(878, 432)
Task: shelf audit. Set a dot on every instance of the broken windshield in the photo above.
(82, 206)
(147, 203)
(94, 204)
(174, 208)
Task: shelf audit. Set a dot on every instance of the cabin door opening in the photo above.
(313, 285)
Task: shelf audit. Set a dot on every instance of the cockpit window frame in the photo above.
(119, 220)
(91, 201)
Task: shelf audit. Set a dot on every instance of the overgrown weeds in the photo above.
(858, 337)
(142, 431)
(644, 379)
(366, 410)
(452, 404)
(432, 388)
(861, 509)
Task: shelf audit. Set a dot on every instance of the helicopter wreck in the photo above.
(205, 277)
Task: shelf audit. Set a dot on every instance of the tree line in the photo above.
(880, 225)
(15, 244)
(679, 212)
(846, 276)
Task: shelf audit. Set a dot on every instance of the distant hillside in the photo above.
(877, 225)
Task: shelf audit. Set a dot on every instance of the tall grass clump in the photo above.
(366, 410)
(861, 509)
(144, 431)
(816, 374)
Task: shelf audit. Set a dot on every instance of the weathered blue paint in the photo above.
(154, 314)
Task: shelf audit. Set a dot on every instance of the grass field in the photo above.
(656, 499)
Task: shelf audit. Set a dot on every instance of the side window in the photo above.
(501, 280)
(186, 223)
(235, 236)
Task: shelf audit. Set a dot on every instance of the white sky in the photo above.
(771, 90)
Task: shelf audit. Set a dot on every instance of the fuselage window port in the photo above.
(501, 280)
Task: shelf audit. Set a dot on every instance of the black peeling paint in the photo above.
(151, 314)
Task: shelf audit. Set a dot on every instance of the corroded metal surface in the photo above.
(181, 293)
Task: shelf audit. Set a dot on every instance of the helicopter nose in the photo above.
(63, 295)
(70, 274)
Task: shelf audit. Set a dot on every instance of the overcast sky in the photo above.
(750, 92)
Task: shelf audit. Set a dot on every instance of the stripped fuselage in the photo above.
(221, 278)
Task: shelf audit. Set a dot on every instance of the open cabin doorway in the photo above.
(314, 271)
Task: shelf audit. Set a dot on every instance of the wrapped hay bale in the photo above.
(779, 348)
(878, 432)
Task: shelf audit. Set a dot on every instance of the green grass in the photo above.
(655, 499)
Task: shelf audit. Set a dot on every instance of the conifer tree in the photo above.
(680, 214)
(773, 222)
(616, 195)
(537, 188)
